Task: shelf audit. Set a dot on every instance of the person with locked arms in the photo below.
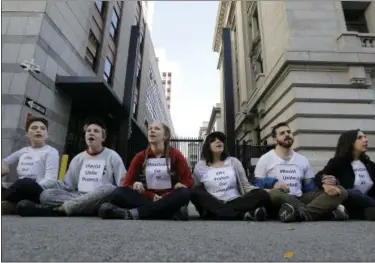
(91, 177)
(352, 169)
(222, 190)
(157, 184)
(37, 167)
(289, 178)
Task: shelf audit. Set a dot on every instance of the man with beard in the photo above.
(289, 178)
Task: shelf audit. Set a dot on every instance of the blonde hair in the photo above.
(167, 148)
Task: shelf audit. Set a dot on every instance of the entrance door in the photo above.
(75, 140)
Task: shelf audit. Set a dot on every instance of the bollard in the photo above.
(63, 166)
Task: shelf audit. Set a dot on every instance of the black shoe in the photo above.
(340, 213)
(111, 211)
(288, 213)
(259, 214)
(29, 208)
(182, 214)
(370, 213)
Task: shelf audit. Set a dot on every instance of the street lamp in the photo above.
(30, 66)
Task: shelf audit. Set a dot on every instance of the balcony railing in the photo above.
(356, 42)
(367, 40)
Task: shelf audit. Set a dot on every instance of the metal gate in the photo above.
(190, 148)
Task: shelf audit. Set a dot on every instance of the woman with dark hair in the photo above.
(352, 169)
(156, 185)
(223, 191)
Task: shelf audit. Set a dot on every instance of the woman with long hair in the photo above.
(223, 191)
(352, 168)
(156, 185)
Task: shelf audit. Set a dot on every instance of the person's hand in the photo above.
(138, 186)
(281, 186)
(179, 185)
(329, 179)
(156, 197)
(331, 189)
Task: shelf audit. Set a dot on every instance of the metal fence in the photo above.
(191, 147)
(249, 155)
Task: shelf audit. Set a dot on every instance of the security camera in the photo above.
(24, 65)
(30, 66)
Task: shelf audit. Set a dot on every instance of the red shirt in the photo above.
(179, 166)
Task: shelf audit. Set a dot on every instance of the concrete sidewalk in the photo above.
(93, 239)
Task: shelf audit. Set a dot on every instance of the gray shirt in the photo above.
(87, 172)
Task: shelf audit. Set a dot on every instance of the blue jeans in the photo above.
(358, 203)
(359, 199)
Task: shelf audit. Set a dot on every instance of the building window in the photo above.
(135, 102)
(169, 74)
(354, 13)
(114, 24)
(169, 90)
(101, 6)
(256, 41)
(164, 74)
(92, 50)
(169, 82)
(107, 71)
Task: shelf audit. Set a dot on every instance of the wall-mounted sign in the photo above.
(35, 106)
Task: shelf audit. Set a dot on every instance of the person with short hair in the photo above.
(91, 178)
(289, 178)
(37, 167)
(157, 185)
(352, 169)
(223, 191)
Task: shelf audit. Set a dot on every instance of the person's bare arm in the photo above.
(4, 168)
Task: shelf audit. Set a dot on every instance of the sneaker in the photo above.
(29, 208)
(182, 214)
(111, 211)
(259, 214)
(8, 208)
(340, 213)
(288, 213)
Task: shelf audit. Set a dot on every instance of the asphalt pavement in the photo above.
(94, 239)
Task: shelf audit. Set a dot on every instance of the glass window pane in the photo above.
(112, 31)
(114, 18)
(107, 67)
(99, 5)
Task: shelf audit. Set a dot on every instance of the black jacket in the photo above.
(342, 169)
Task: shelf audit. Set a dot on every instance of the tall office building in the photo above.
(311, 64)
(94, 59)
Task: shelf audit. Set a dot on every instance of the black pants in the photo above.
(22, 189)
(164, 208)
(211, 208)
(358, 204)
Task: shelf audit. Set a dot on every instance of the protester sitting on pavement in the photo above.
(290, 179)
(37, 167)
(352, 169)
(157, 183)
(91, 177)
(222, 189)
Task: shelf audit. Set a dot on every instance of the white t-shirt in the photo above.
(219, 182)
(362, 181)
(87, 172)
(291, 172)
(157, 176)
(40, 164)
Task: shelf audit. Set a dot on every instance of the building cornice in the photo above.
(220, 21)
(214, 112)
